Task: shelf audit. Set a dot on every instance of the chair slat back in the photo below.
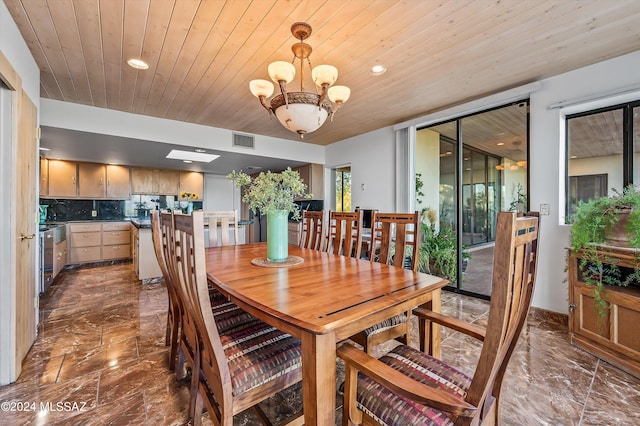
(313, 230)
(345, 233)
(191, 268)
(514, 268)
(395, 236)
(220, 223)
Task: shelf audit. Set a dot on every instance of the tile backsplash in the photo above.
(138, 206)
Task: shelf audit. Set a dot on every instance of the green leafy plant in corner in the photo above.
(438, 249)
(591, 224)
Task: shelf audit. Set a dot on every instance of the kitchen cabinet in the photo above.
(153, 181)
(98, 241)
(613, 337)
(192, 182)
(59, 256)
(313, 176)
(118, 182)
(116, 238)
(62, 179)
(44, 176)
(91, 180)
(145, 263)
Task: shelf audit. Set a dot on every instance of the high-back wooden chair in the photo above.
(395, 240)
(408, 386)
(221, 223)
(174, 310)
(255, 361)
(313, 230)
(345, 233)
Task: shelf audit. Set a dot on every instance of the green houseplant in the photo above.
(613, 221)
(438, 249)
(273, 194)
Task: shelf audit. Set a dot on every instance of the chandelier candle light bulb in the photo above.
(301, 112)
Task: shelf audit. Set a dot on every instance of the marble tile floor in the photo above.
(100, 359)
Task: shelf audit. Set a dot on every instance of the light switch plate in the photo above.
(544, 209)
(94, 213)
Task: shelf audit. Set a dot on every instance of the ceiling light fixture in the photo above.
(177, 154)
(301, 112)
(378, 69)
(138, 64)
(42, 148)
(200, 150)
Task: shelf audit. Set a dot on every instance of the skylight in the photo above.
(176, 154)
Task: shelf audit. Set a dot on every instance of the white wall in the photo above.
(611, 165)
(17, 53)
(85, 118)
(372, 160)
(220, 193)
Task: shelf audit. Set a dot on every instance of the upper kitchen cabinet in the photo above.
(313, 176)
(192, 182)
(91, 180)
(118, 182)
(103, 181)
(62, 179)
(44, 177)
(150, 181)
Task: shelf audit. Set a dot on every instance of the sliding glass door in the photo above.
(471, 168)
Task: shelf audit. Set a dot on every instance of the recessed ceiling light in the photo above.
(187, 161)
(42, 148)
(176, 154)
(500, 143)
(448, 153)
(138, 64)
(574, 156)
(254, 167)
(200, 150)
(378, 69)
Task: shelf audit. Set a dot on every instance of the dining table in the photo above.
(322, 301)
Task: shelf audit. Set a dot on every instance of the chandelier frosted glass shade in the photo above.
(301, 112)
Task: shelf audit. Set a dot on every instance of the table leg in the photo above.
(319, 378)
(429, 333)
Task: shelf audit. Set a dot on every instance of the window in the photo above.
(602, 148)
(343, 189)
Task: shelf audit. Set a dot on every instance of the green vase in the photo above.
(189, 207)
(277, 236)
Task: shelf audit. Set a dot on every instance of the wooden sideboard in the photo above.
(613, 337)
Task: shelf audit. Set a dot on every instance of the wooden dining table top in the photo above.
(324, 293)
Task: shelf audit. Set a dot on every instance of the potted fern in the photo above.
(610, 221)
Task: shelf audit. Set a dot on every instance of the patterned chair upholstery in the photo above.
(408, 387)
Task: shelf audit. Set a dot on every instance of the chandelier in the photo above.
(301, 112)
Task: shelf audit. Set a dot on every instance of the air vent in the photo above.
(244, 141)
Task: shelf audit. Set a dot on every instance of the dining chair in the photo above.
(395, 240)
(236, 368)
(174, 309)
(313, 230)
(221, 223)
(345, 233)
(407, 386)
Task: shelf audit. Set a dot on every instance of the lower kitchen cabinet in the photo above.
(294, 233)
(145, 263)
(98, 241)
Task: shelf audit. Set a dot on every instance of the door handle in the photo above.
(27, 237)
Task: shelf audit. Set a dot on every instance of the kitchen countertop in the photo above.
(146, 223)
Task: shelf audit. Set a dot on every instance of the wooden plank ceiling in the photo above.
(202, 54)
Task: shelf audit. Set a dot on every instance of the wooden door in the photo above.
(168, 182)
(91, 180)
(26, 220)
(192, 182)
(142, 181)
(118, 182)
(62, 179)
(44, 177)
